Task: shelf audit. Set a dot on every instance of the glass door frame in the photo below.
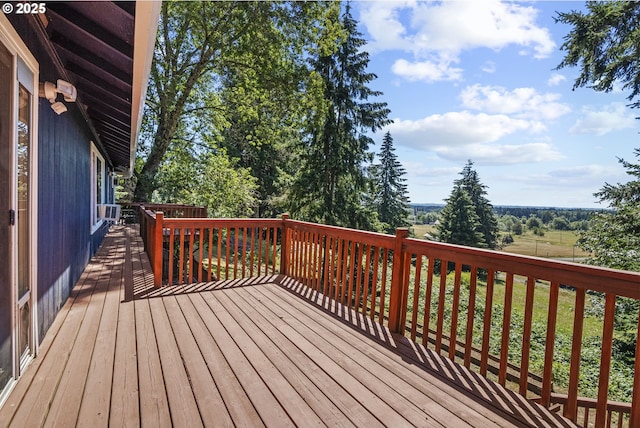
(25, 73)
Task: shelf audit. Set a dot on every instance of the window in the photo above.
(98, 186)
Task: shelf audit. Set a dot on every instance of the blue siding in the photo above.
(65, 243)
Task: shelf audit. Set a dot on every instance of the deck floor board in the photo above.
(249, 352)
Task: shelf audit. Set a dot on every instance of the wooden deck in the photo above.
(258, 352)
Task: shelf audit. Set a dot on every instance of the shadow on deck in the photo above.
(264, 351)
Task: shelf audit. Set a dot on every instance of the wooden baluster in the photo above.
(181, 257)
(260, 233)
(201, 252)
(345, 271)
(360, 251)
(526, 336)
(275, 249)
(486, 329)
(571, 408)
(310, 246)
(441, 300)
(189, 254)
(236, 245)
(416, 298)
(605, 359)
(171, 255)
(547, 371)
(243, 251)
(586, 417)
(406, 271)
(374, 281)
(325, 265)
(427, 301)
(383, 286)
(468, 341)
(219, 256)
(454, 312)
(314, 261)
(227, 254)
(352, 274)
(338, 280)
(210, 255)
(252, 250)
(158, 238)
(635, 399)
(367, 277)
(506, 331)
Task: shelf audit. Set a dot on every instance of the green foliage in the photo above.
(459, 223)
(389, 189)
(222, 65)
(603, 43)
(478, 228)
(213, 180)
(614, 236)
(331, 183)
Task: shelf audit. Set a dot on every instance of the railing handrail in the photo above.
(594, 278)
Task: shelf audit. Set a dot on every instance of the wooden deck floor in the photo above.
(258, 352)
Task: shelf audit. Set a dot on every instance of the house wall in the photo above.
(65, 242)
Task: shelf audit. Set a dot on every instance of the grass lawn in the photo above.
(554, 243)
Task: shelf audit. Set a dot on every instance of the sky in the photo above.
(478, 80)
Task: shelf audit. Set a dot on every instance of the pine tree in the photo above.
(488, 223)
(390, 191)
(459, 223)
(332, 182)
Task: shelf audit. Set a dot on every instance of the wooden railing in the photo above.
(447, 297)
(189, 250)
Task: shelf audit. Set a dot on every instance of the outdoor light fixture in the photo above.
(50, 91)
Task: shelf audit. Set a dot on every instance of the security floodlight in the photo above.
(67, 90)
(50, 91)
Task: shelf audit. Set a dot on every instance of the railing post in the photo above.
(284, 246)
(397, 282)
(157, 250)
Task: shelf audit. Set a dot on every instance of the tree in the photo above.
(331, 183)
(614, 236)
(459, 223)
(488, 223)
(197, 43)
(603, 43)
(390, 191)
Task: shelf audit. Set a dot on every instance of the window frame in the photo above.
(95, 221)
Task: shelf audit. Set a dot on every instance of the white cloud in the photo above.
(556, 79)
(521, 102)
(426, 71)
(458, 128)
(612, 117)
(440, 31)
(506, 154)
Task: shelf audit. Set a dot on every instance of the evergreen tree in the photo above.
(390, 191)
(614, 236)
(488, 223)
(331, 184)
(459, 223)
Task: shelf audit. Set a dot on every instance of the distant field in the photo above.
(554, 243)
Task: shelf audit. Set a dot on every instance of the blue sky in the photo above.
(476, 80)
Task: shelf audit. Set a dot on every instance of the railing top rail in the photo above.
(619, 282)
(226, 222)
(371, 238)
